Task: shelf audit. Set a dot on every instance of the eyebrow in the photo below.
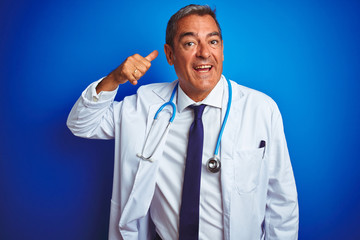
(192, 34)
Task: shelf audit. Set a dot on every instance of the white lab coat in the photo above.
(258, 186)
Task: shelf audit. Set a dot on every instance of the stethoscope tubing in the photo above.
(214, 161)
(216, 152)
(170, 102)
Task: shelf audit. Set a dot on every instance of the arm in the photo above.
(92, 115)
(282, 211)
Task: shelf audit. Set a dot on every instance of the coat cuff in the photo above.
(92, 99)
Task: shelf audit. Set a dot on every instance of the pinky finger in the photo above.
(132, 79)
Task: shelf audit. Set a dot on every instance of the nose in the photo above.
(203, 51)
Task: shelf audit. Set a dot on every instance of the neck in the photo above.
(197, 95)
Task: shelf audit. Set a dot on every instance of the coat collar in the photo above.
(164, 90)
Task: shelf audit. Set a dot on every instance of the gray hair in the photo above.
(191, 9)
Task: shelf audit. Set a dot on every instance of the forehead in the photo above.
(196, 24)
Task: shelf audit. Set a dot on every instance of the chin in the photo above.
(204, 87)
(207, 83)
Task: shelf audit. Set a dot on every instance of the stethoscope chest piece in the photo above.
(214, 164)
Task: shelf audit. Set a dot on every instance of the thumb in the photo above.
(152, 55)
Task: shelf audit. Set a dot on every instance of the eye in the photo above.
(189, 44)
(214, 42)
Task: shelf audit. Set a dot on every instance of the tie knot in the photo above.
(198, 110)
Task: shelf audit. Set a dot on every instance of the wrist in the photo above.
(109, 83)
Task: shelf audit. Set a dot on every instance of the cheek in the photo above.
(183, 63)
(220, 55)
(184, 57)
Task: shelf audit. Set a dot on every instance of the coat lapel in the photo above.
(144, 184)
(227, 149)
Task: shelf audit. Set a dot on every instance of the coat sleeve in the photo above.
(93, 117)
(282, 212)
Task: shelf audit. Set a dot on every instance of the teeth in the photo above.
(203, 67)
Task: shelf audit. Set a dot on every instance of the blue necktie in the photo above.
(189, 211)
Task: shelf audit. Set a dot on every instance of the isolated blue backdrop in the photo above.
(304, 54)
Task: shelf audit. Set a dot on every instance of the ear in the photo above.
(169, 54)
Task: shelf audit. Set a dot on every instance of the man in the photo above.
(253, 196)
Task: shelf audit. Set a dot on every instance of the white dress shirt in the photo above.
(165, 206)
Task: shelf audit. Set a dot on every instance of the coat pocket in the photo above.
(247, 167)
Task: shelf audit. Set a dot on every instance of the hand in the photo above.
(132, 69)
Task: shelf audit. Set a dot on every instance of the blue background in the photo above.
(304, 54)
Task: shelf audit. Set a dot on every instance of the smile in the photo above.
(203, 68)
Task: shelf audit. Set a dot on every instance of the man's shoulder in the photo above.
(244, 91)
(252, 95)
(153, 87)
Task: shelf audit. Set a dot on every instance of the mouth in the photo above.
(203, 68)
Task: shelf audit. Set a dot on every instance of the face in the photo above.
(197, 55)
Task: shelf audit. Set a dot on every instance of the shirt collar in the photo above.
(214, 98)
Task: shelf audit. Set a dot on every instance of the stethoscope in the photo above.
(214, 163)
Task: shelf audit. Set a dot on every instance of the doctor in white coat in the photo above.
(253, 196)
